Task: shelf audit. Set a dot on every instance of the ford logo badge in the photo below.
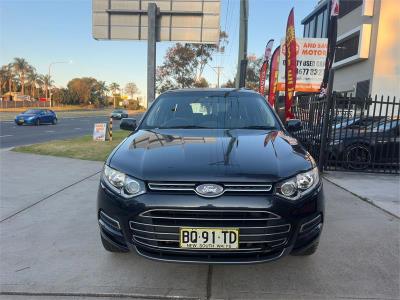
(209, 190)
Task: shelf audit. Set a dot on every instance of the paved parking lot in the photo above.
(52, 248)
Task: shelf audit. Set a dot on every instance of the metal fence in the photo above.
(19, 104)
(361, 134)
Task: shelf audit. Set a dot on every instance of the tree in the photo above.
(253, 72)
(103, 89)
(47, 82)
(229, 84)
(21, 67)
(131, 89)
(114, 87)
(184, 64)
(8, 76)
(201, 83)
(33, 79)
(3, 78)
(86, 90)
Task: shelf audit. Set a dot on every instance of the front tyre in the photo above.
(37, 122)
(54, 122)
(109, 247)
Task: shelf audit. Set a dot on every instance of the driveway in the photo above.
(52, 248)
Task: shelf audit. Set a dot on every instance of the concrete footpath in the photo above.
(382, 190)
(50, 248)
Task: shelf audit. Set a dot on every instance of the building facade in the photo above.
(367, 59)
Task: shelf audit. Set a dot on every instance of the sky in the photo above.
(45, 31)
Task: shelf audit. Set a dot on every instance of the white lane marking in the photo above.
(6, 135)
(78, 128)
(50, 131)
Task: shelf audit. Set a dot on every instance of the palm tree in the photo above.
(48, 82)
(102, 86)
(9, 76)
(33, 78)
(40, 84)
(21, 67)
(114, 87)
(3, 78)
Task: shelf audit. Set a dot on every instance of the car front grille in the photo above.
(189, 187)
(258, 230)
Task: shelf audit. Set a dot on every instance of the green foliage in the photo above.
(184, 64)
(131, 89)
(229, 84)
(201, 83)
(86, 90)
(253, 72)
(134, 105)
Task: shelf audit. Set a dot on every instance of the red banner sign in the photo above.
(273, 76)
(263, 75)
(264, 68)
(290, 66)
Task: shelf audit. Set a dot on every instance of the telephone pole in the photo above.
(218, 72)
(242, 56)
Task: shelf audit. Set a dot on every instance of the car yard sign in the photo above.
(100, 131)
(195, 21)
(311, 56)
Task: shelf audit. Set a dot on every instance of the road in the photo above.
(12, 135)
(50, 247)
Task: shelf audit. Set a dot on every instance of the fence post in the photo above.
(325, 127)
(110, 129)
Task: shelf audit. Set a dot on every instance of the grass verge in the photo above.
(81, 148)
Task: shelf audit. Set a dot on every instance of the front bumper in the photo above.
(25, 121)
(149, 224)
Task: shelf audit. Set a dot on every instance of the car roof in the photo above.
(211, 91)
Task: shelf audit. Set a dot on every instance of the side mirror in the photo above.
(128, 124)
(293, 125)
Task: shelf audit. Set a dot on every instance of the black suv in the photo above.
(212, 176)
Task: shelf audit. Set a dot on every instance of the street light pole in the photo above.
(49, 77)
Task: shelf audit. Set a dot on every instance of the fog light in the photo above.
(288, 188)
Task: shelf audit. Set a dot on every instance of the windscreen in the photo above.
(183, 111)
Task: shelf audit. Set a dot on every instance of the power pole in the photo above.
(242, 56)
(218, 74)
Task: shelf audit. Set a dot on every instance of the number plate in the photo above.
(209, 238)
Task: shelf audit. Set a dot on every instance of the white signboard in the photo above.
(195, 21)
(311, 56)
(100, 131)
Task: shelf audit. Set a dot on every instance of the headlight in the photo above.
(122, 184)
(298, 186)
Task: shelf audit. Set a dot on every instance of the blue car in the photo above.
(36, 117)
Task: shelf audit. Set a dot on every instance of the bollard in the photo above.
(110, 129)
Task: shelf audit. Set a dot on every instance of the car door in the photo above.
(48, 115)
(42, 116)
